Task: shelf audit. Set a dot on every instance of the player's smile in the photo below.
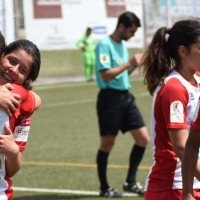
(15, 67)
(7, 77)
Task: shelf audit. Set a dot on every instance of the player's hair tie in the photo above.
(169, 30)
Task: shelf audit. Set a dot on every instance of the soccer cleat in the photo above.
(110, 192)
(134, 188)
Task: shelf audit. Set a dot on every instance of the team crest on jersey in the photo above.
(176, 112)
(104, 58)
(196, 111)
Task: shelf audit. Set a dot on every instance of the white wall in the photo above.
(2, 22)
(62, 33)
(9, 28)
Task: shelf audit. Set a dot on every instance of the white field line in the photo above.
(68, 103)
(64, 85)
(51, 86)
(82, 101)
(78, 192)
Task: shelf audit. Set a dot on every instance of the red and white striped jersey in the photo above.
(20, 125)
(173, 107)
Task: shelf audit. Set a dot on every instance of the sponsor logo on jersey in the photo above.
(191, 96)
(176, 112)
(21, 133)
(104, 58)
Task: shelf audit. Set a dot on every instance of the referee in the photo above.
(116, 108)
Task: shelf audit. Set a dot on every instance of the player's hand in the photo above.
(7, 143)
(9, 101)
(136, 59)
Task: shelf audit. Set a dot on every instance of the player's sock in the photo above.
(87, 72)
(135, 158)
(102, 160)
(91, 72)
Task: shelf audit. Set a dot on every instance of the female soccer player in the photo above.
(20, 64)
(170, 63)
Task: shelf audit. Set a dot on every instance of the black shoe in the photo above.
(110, 192)
(134, 188)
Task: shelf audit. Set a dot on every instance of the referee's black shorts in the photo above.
(116, 111)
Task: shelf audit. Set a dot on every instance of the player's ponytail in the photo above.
(163, 53)
(156, 62)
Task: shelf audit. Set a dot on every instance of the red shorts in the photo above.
(168, 195)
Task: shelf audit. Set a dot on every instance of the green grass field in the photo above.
(63, 142)
(64, 62)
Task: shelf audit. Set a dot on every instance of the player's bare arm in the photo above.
(37, 100)
(178, 139)
(190, 156)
